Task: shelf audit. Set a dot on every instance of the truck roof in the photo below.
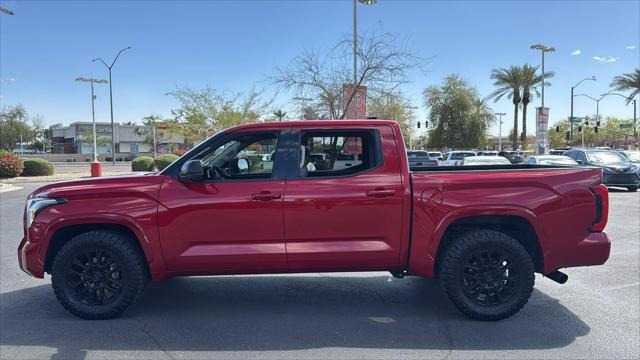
(285, 124)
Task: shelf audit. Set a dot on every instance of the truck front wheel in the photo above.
(487, 274)
(98, 275)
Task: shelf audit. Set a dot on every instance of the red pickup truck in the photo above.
(316, 196)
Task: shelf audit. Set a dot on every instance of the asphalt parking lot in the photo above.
(321, 316)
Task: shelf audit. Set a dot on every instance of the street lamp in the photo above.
(355, 37)
(96, 167)
(635, 129)
(593, 78)
(543, 49)
(597, 112)
(113, 143)
(500, 131)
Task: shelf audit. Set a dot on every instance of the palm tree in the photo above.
(630, 81)
(530, 82)
(279, 114)
(509, 83)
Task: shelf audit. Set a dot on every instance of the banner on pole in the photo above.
(542, 126)
(355, 104)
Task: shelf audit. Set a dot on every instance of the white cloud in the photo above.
(630, 47)
(8, 80)
(610, 59)
(577, 52)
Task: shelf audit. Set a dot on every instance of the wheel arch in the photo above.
(65, 233)
(515, 226)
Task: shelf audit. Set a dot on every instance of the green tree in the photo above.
(203, 112)
(146, 131)
(14, 125)
(628, 82)
(393, 106)
(530, 80)
(279, 114)
(457, 116)
(509, 83)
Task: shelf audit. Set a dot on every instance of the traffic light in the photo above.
(557, 128)
(418, 124)
(580, 128)
(597, 123)
(595, 129)
(586, 122)
(567, 135)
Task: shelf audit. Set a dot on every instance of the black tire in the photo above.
(98, 275)
(481, 285)
(632, 188)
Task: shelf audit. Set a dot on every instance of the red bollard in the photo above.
(96, 169)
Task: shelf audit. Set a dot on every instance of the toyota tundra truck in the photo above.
(482, 231)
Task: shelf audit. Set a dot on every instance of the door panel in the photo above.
(347, 222)
(218, 227)
(232, 221)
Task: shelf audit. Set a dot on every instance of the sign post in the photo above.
(542, 136)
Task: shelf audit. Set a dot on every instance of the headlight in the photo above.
(35, 205)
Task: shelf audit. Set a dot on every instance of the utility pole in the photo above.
(500, 130)
(543, 49)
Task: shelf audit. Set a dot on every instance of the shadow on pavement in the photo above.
(259, 313)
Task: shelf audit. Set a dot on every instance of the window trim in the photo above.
(293, 171)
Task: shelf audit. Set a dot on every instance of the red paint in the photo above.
(382, 219)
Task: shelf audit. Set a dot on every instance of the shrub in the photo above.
(142, 163)
(10, 165)
(165, 160)
(37, 167)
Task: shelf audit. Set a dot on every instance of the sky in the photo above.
(236, 45)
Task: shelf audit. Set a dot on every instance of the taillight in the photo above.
(602, 208)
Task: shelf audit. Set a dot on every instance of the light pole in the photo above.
(113, 143)
(635, 129)
(96, 167)
(593, 78)
(355, 37)
(543, 49)
(597, 111)
(500, 130)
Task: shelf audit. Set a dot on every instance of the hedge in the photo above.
(142, 163)
(10, 165)
(37, 167)
(165, 160)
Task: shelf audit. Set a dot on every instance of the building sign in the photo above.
(357, 108)
(100, 129)
(542, 126)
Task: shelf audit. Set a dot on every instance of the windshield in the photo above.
(633, 155)
(477, 160)
(460, 155)
(606, 158)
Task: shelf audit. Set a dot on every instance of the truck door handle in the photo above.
(379, 192)
(265, 196)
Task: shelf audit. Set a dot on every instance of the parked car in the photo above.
(435, 155)
(559, 151)
(487, 153)
(483, 234)
(617, 170)
(513, 156)
(454, 158)
(633, 156)
(420, 158)
(485, 160)
(550, 160)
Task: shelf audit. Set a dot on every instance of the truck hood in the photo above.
(108, 186)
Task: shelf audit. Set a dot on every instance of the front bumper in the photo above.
(621, 179)
(29, 259)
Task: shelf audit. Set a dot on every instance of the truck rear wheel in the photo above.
(632, 188)
(487, 274)
(98, 275)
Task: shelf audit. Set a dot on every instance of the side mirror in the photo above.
(239, 166)
(192, 171)
(579, 162)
